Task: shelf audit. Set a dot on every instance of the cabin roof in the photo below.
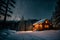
(40, 21)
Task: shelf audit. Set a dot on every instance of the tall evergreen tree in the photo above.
(5, 7)
(56, 16)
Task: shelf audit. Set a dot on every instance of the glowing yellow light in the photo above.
(40, 25)
(46, 21)
(46, 26)
(36, 26)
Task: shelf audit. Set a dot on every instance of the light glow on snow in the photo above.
(24, 32)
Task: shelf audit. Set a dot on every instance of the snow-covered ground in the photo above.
(30, 35)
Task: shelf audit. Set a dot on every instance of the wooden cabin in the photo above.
(43, 24)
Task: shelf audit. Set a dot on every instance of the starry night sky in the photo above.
(34, 9)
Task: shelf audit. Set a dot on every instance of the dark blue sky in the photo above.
(34, 9)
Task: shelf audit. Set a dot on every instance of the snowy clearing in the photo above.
(30, 35)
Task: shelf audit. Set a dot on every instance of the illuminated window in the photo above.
(46, 26)
(46, 21)
(36, 26)
(40, 25)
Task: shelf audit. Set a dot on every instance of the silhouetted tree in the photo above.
(5, 7)
(56, 16)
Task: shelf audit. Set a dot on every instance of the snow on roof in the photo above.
(40, 21)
